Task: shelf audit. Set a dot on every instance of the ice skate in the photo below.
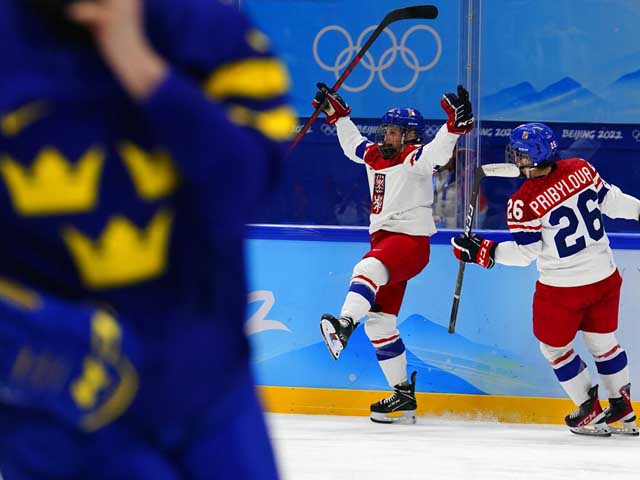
(336, 333)
(620, 415)
(589, 419)
(400, 407)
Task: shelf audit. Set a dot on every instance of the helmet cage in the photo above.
(408, 119)
(387, 150)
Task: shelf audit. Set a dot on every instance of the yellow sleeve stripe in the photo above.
(255, 78)
(19, 296)
(277, 124)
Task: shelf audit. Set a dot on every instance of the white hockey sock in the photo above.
(368, 276)
(571, 371)
(611, 361)
(355, 306)
(395, 369)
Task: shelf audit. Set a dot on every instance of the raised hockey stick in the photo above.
(419, 11)
(507, 170)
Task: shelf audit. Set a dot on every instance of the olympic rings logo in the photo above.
(388, 57)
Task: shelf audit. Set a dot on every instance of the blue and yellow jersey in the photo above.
(142, 206)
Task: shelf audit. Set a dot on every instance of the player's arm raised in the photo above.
(460, 121)
(353, 143)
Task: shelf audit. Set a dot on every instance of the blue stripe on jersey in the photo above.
(603, 191)
(361, 289)
(570, 370)
(526, 238)
(360, 149)
(390, 351)
(613, 365)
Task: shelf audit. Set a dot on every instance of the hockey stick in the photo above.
(419, 11)
(506, 170)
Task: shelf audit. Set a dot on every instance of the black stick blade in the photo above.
(419, 11)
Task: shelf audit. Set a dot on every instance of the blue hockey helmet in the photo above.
(407, 118)
(532, 145)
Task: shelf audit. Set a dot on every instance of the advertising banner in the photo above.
(293, 282)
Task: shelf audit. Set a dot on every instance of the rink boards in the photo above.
(490, 368)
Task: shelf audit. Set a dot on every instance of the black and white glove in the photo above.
(458, 110)
(330, 103)
(475, 249)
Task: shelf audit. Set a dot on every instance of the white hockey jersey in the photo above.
(557, 219)
(401, 187)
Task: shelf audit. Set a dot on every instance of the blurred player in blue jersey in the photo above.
(135, 138)
(556, 219)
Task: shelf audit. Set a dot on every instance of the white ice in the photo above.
(310, 447)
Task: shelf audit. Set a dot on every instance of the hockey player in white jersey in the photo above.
(399, 169)
(556, 218)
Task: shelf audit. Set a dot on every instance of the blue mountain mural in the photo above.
(623, 97)
(490, 369)
(629, 77)
(567, 101)
(507, 97)
(357, 368)
(444, 362)
(563, 101)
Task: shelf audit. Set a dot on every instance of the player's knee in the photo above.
(553, 354)
(372, 271)
(599, 344)
(381, 326)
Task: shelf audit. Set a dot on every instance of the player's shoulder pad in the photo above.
(411, 153)
(200, 35)
(520, 202)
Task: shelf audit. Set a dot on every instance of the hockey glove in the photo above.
(77, 362)
(330, 103)
(475, 249)
(458, 110)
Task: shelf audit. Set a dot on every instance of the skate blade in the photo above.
(598, 430)
(628, 428)
(331, 340)
(406, 417)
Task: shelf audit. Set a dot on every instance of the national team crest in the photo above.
(525, 135)
(377, 198)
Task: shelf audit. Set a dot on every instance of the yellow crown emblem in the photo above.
(123, 254)
(153, 174)
(52, 185)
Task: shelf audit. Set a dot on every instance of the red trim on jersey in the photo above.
(562, 358)
(384, 340)
(373, 157)
(366, 279)
(610, 352)
(520, 226)
(538, 196)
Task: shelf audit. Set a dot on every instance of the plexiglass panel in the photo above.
(572, 65)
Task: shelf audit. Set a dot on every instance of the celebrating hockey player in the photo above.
(556, 218)
(399, 169)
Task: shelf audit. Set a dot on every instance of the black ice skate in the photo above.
(620, 412)
(336, 333)
(399, 407)
(589, 418)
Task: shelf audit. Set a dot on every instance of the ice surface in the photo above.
(353, 448)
